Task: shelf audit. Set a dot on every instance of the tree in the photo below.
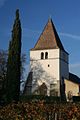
(3, 69)
(14, 62)
(69, 95)
(3, 62)
(23, 69)
(37, 76)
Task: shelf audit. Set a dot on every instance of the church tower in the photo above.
(48, 63)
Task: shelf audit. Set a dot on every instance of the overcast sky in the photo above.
(34, 15)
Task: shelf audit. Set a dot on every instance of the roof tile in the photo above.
(49, 38)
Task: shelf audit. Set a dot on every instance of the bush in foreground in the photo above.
(39, 110)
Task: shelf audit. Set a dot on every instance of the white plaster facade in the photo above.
(71, 87)
(64, 67)
(49, 71)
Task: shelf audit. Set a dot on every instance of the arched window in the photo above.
(42, 55)
(46, 55)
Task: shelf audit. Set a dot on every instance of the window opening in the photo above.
(42, 55)
(46, 55)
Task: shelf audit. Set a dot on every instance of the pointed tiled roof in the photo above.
(49, 38)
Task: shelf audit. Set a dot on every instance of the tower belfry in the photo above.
(49, 62)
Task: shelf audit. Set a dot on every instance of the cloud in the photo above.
(75, 65)
(31, 33)
(2, 2)
(75, 68)
(76, 37)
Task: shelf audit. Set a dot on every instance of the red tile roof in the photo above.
(49, 38)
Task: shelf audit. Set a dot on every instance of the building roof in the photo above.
(49, 38)
(74, 78)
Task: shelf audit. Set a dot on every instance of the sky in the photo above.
(34, 15)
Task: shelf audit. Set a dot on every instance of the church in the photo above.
(49, 67)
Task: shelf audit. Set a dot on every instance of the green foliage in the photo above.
(3, 69)
(14, 62)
